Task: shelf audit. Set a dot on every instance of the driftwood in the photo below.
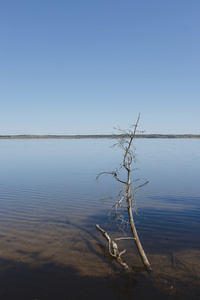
(113, 248)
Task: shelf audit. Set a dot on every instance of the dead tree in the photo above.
(127, 193)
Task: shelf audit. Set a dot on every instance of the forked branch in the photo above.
(113, 248)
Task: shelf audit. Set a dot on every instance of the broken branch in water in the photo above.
(125, 238)
(113, 248)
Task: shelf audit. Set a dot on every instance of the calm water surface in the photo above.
(50, 200)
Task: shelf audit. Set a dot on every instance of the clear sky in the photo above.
(86, 66)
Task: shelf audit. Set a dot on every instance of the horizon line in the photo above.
(68, 136)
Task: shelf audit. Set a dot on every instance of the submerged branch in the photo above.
(125, 238)
(113, 248)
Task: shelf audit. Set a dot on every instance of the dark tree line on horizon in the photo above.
(147, 136)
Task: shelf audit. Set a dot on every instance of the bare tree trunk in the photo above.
(137, 240)
(132, 223)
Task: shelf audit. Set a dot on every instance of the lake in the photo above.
(50, 203)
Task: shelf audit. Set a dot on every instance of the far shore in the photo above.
(101, 136)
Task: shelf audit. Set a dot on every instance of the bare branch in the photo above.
(118, 203)
(113, 173)
(122, 252)
(113, 248)
(139, 186)
(125, 238)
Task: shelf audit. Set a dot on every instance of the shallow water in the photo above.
(50, 203)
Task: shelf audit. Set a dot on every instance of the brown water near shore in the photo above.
(72, 263)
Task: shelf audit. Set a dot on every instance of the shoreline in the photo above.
(102, 136)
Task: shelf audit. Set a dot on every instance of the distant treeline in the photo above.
(101, 136)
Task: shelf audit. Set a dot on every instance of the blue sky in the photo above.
(86, 66)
